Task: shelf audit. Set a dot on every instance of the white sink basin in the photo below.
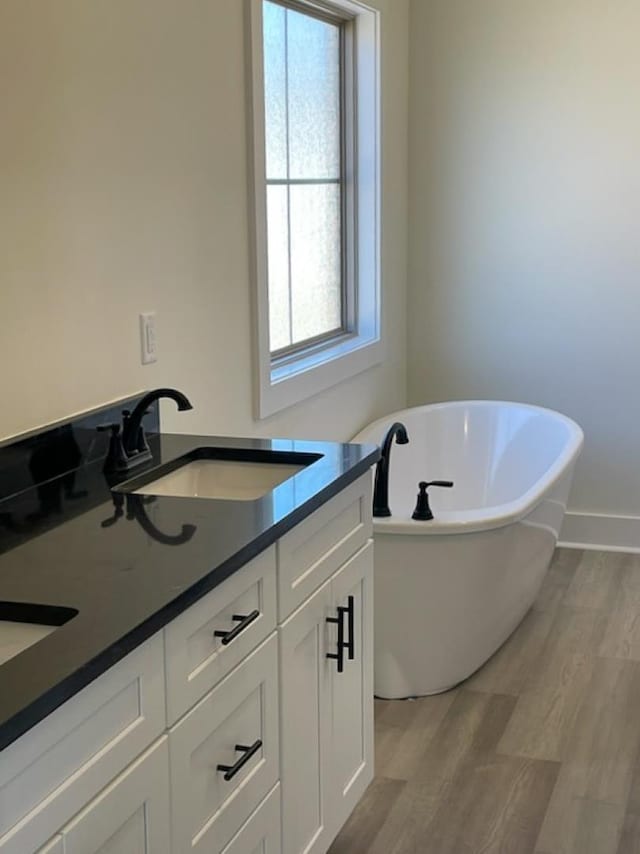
(15, 637)
(23, 624)
(226, 479)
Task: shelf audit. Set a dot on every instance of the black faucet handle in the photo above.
(423, 511)
(115, 428)
(116, 457)
(126, 413)
(139, 441)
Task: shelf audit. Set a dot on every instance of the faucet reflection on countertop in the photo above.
(134, 508)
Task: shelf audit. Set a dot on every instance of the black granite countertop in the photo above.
(128, 577)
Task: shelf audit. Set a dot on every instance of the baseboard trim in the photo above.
(598, 531)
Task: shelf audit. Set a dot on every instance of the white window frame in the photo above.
(282, 383)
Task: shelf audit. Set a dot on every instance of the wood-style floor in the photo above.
(539, 751)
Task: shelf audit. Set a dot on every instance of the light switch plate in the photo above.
(148, 343)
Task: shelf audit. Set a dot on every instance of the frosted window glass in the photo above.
(316, 299)
(302, 71)
(313, 73)
(278, 267)
(275, 89)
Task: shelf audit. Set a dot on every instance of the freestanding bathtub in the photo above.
(449, 592)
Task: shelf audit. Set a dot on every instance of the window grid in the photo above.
(283, 354)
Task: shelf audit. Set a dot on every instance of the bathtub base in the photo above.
(420, 696)
(442, 612)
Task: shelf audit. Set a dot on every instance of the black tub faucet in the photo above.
(381, 485)
(129, 448)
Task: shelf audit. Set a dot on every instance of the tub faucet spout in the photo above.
(398, 432)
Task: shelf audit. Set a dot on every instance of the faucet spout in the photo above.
(133, 440)
(398, 432)
(128, 447)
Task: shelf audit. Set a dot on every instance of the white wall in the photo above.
(123, 158)
(525, 219)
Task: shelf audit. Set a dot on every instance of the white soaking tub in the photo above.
(449, 592)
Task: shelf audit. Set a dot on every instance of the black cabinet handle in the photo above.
(244, 621)
(342, 644)
(351, 640)
(339, 654)
(230, 771)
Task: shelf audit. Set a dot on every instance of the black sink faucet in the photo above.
(133, 439)
(381, 486)
(130, 448)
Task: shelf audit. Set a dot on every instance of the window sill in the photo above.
(285, 385)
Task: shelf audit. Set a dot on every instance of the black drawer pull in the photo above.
(339, 654)
(243, 623)
(230, 771)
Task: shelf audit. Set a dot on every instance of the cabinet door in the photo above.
(352, 690)
(131, 816)
(306, 721)
(56, 768)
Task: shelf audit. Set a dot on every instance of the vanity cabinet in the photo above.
(244, 726)
(58, 766)
(235, 727)
(131, 816)
(326, 664)
(205, 642)
(261, 833)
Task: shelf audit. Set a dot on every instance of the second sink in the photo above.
(23, 624)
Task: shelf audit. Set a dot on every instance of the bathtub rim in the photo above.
(497, 515)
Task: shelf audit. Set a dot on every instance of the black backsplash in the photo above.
(53, 471)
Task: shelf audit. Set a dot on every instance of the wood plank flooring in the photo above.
(539, 751)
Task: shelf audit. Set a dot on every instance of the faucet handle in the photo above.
(140, 439)
(115, 428)
(423, 510)
(116, 457)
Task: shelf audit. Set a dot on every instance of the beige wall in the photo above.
(124, 189)
(525, 219)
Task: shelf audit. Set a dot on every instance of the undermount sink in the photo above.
(22, 625)
(220, 479)
(230, 474)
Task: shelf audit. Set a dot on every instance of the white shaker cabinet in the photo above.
(224, 755)
(326, 682)
(244, 726)
(261, 833)
(305, 705)
(351, 752)
(131, 816)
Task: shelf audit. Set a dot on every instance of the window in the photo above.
(304, 142)
(315, 156)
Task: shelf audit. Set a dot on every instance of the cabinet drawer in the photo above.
(50, 773)
(261, 833)
(314, 549)
(196, 659)
(208, 809)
